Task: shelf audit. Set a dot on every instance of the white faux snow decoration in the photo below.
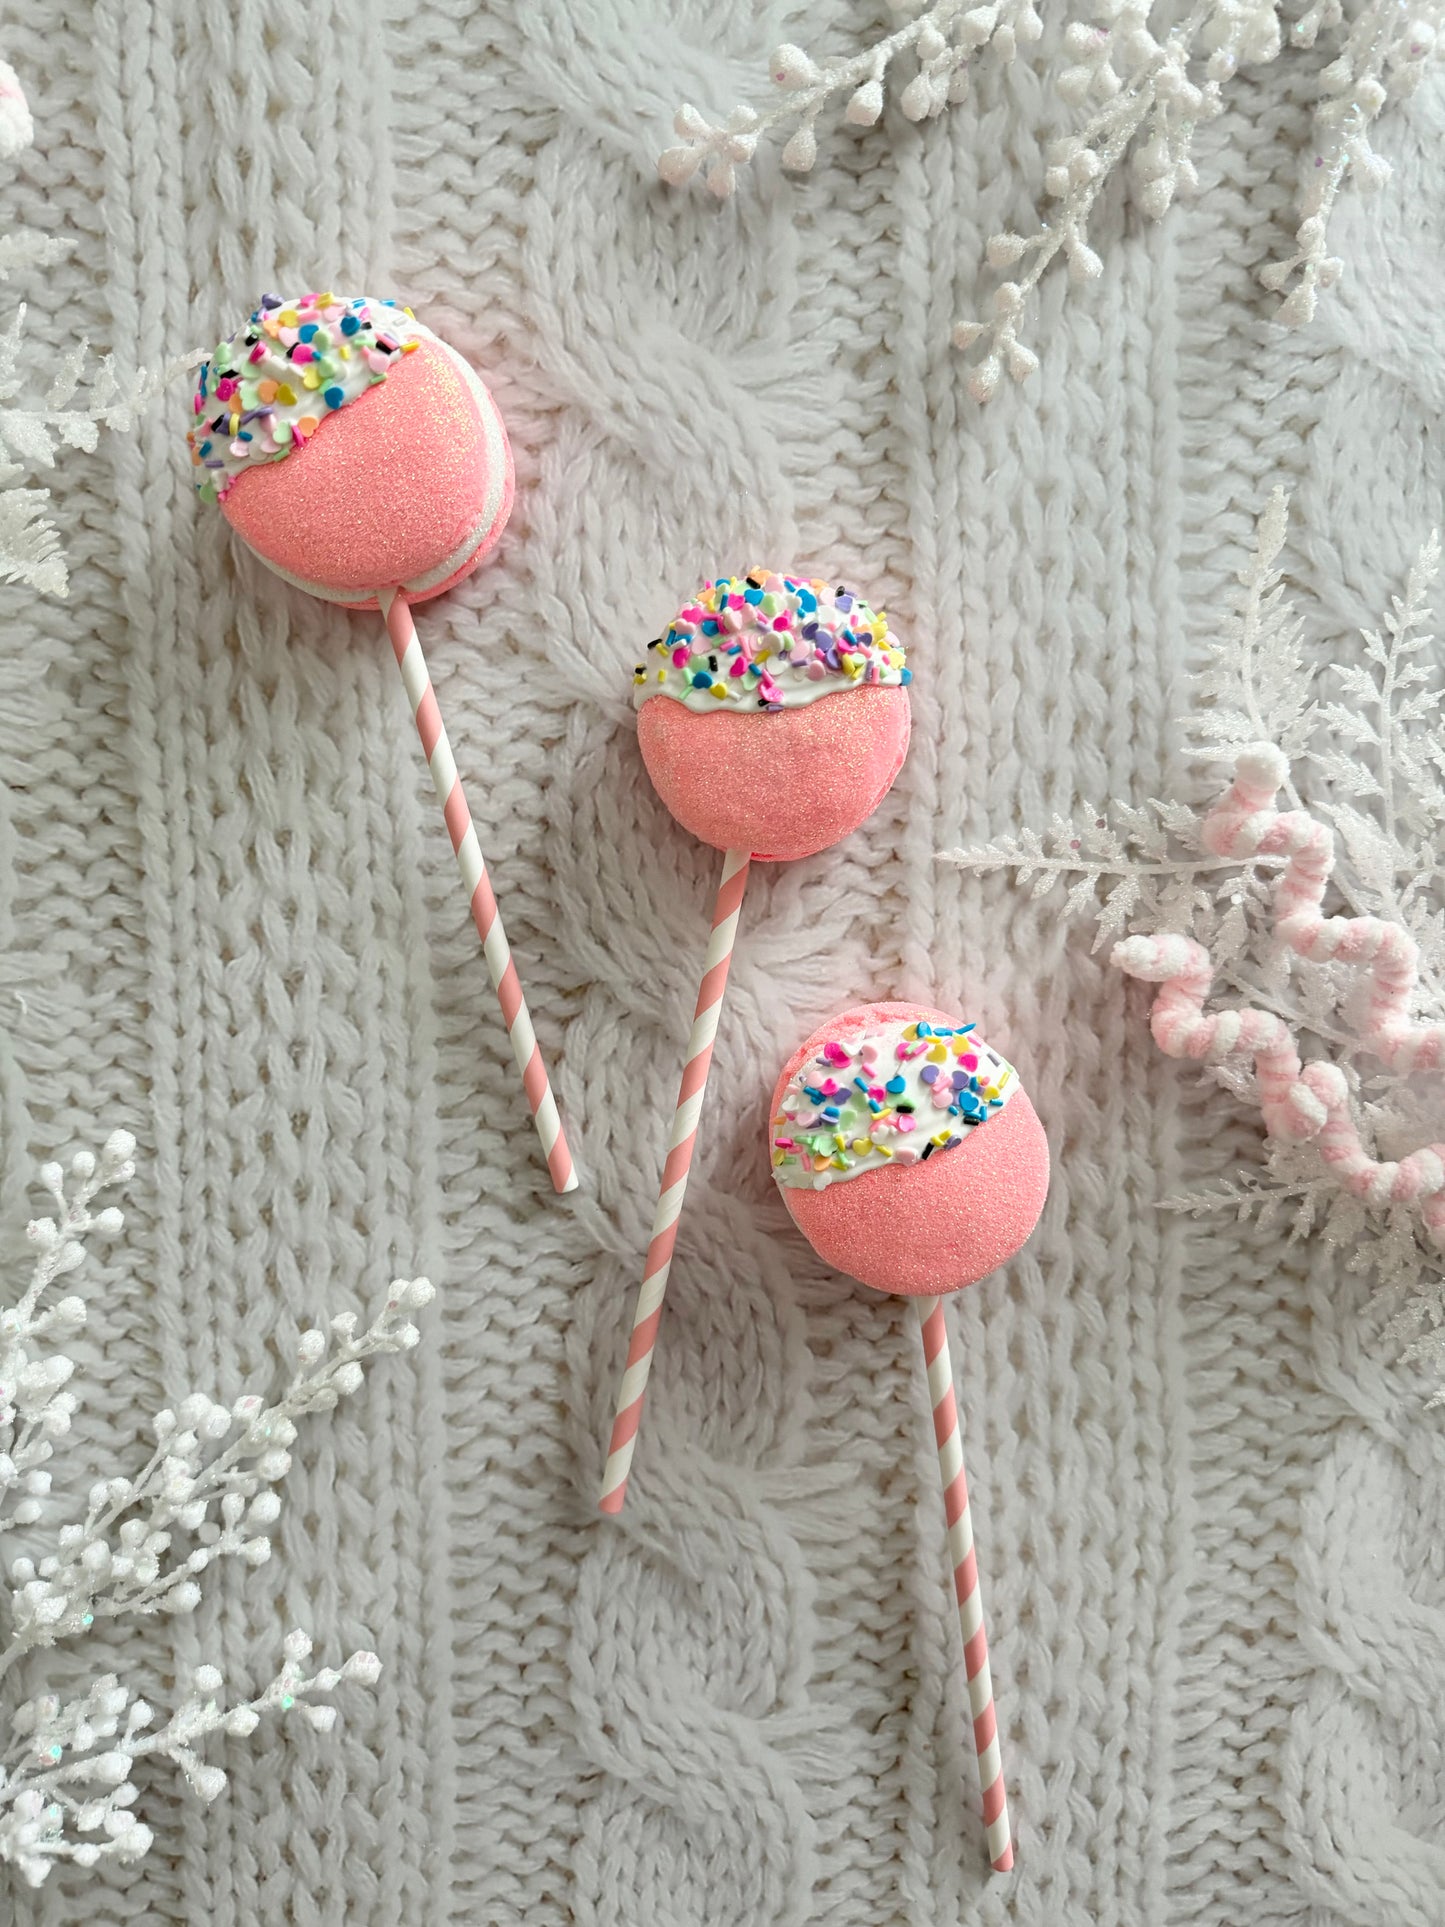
(67, 413)
(1315, 932)
(142, 1544)
(1145, 76)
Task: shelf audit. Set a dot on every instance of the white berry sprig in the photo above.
(208, 1491)
(944, 38)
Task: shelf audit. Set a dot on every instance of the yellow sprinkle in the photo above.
(286, 394)
(344, 352)
(992, 1091)
(910, 1033)
(862, 1144)
(779, 1157)
(719, 691)
(308, 380)
(326, 300)
(938, 1055)
(410, 347)
(408, 313)
(662, 675)
(288, 318)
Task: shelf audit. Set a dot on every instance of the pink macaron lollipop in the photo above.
(737, 723)
(363, 460)
(773, 716)
(911, 1158)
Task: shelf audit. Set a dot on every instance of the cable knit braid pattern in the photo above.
(229, 921)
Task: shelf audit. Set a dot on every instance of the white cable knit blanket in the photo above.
(1209, 1510)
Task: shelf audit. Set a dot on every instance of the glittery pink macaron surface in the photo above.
(351, 449)
(906, 1150)
(773, 714)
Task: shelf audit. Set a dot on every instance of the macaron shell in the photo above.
(780, 784)
(406, 487)
(923, 1230)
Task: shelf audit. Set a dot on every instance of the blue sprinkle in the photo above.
(754, 596)
(896, 1085)
(925, 1030)
(702, 680)
(334, 397)
(830, 1110)
(905, 676)
(349, 324)
(709, 625)
(816, 1096)
(308, 333)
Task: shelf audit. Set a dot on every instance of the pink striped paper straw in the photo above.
(674, 1181)
(485, 914)
(965, 1582)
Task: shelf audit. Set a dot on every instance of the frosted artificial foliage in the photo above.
(1230, 907)
(142, 1544)
(74, 405)
(1145, 82)
(942, 40)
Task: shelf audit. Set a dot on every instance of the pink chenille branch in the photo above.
(1300, 1101)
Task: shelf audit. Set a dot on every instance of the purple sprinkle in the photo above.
(959, 1080)
(929, 1073)
(270, 301)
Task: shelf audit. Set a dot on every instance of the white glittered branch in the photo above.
(1384, 56)
(66, 1790)
(1145, 88)
(117, 1559)
(944, 38)
(66, 1772)
(1300, 1102)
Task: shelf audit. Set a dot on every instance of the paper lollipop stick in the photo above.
(364, 461)
(965, 1581)
(911, 1158)
(674, 1181)
(749, 741)
(485, 913)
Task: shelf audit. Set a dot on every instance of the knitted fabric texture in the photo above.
(230, 921)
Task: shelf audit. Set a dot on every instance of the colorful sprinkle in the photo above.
(276, 372)
(771, 642)
(836, 1122)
